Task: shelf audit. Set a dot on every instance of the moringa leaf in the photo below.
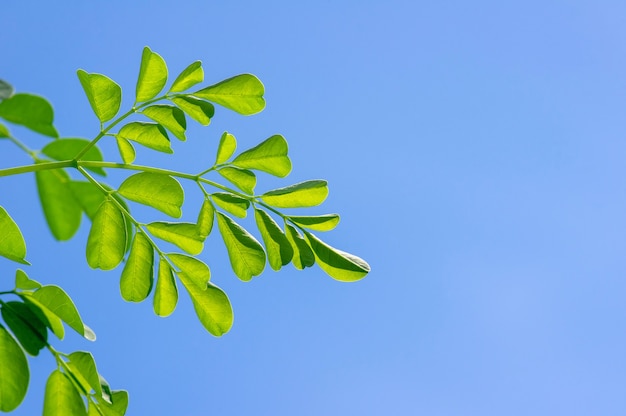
(338, 264)
(12, 244)
(185, 235)
(205, 219)
(246, 254)
(157, 190)
(226, 148)
(151, 135)
(137, 276)
(84, 368)
(27, 327)
(195, 270)
(241, 93)
(200, 110)
(234, 204)
(170, 117)
(23, 282)
(325, 222)
(192, 75)
(279, 251)
(302, 254)
(61, 397)
(303, 194)
(269, 156)
(14, 374)
(62, 211)
(127, 151)
(4, 131)
(106, 243)
(152, 75)
(166, 292)
(104, 95)
(211, 305)
(67, 149)
(31, 111)
(243, 179)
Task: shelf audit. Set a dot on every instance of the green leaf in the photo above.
(241, 93)
(137, 276)
(14, 374)
(211, 305)
(166, 293)
(6, 90)
(23, 282)
(303, 194)
(127, 151)
(152, 75)
(31, 111)
(243, 179)
(61, 397)
(302, 254)
(193, 269)
(279, 251)
(226, 148)
(269, 156)
(205, 219)
(84, 368)
(12, 244)
(232, 203)
(106, 243)
(159, 191)
(185, 235)
(200, 110)
(151, 135)
(104, 95)
(325, 222)
(246, 254)
(337, 264)
(4, 131)
(60, 208)
(30, 331)
(192, 75)
(66, 149)
(117, 408)
(170, 117)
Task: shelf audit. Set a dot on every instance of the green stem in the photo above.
(36, 167)
(22, 146)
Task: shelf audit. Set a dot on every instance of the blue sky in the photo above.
(475, 151)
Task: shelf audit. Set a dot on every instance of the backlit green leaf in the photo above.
(206, 218)
(302, 254)
(53, 300)
(325, 222)
(12, 244)
(337, 264)
(106, 243)
(117, 408)
(104, 95)
(241, 93)
(200, 110)
(194, 270)
(137, 276)
(246, 254)
(60, 208)
(279, 251)
(231, 203)
(170, 117)
(14, 374)
(127, 151)
(151, 135)
(303, 194)
(31, 111)
(166, 293)
(6, 90)
(243, 179)
(185, 235)
(152, 75)
(61, 397)
(159, 191)
(23, 282)
(226, 148)
(29, 330)
(84, 368)
(4, 131)
(269, 156)
(66, 149)
(192, 75)
(211, 305)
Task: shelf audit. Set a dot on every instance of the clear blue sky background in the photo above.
(477, 154)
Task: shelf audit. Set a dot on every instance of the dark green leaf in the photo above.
(127, 151)
(206, 218)
(234, 204)
(241, 93)
(200, 110)
(66, 149)
(14, 374)
(193, 269)
(185, 235)
(226, 148)
(23, 282)
(166, 293)
(170, 117)
(152, 75)
(325, 222)
(104, 95)
(12, 244)
(60, 208)
(241, 178)
(269, 156)
(302, 254)
(211, 305)
(137, 276)
(192, 75)
(159, 191)
(29, 330)
(337, 264)
(279, 251)
(6, 90)
(151, 135)
(30, 111)
(61, 397)
(246, 254)
(106, 243)
(303, 194)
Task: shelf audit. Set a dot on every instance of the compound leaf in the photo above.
(157, 190)
(30, 331)
(166, 292)
(200, 110)
(325, 222)
(337, 264)
(241, 93)
(151, 135)
(31, 111)
(106, 243)
(302, 254)
(247, 257)
(185, 235)
(66, 149)
(12, 244)
(62, 211)
(232, 203)
(170, 117)
(192, 75)
(193, 269)
(226, 148)
(152, 75)
(104, 95)
(137, 276)
(61, 397)
(211, 305)
(279, 251)
(269, 156)
(14, 374)
(243, 179)
(303, 194)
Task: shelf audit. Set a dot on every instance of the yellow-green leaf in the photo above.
(106, 243)
(166, 292)
(159, 191)
(192, 75)
(12, 244)
(205, 219)
(151, 135)
(269, 156)
(185, 235)
(211, 305)
(104, 95)
(303, 194)
(137, 276)
(170, 117)
(200, 110)
(31, 111)
(325, 222)
(195, 270)
(61, 397)
(226, 148)
(241, 93)
(243, 179)
(14, 373)
(62, 211)
(66, 149)
(302, 254)
(246, 254)
(232, 203)
(127, 151)
(337, 264)
(279, 251)
(152, 75)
